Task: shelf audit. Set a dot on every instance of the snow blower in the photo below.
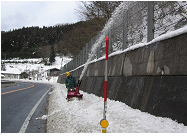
(74, 93)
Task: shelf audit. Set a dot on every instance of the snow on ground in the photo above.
(33, 60)
(11, 70)
(32, 64)
(59, 62)
(84, 116)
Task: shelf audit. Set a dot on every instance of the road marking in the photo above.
(12, 91)
(26, 122)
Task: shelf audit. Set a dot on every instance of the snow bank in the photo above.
(84, 116)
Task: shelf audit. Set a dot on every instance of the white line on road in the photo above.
(26, 122)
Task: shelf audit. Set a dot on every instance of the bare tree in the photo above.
(97, 9)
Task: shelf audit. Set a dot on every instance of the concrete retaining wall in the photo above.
(152, 78)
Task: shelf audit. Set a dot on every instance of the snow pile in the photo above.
(44, 117)
(84, 116)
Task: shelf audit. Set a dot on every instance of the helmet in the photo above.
(68, 74)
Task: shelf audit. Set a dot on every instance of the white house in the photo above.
(11, 73)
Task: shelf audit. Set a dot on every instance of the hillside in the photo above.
(35, 42)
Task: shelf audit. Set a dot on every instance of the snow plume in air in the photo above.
(115, 16)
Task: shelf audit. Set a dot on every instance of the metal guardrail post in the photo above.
(98, 50)
(111, 37)
(125, 29)
(150, 23)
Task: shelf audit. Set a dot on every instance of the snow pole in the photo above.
(104, 123)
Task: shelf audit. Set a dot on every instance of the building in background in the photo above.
(53, 72)
(11, 73)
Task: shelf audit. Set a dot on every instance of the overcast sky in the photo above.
(34, 13)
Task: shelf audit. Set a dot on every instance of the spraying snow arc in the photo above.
(123, 6)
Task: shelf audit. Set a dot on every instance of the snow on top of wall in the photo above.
(169, 35)
(139, 45)
(157, 39)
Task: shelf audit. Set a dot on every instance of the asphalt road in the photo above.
(17, 103)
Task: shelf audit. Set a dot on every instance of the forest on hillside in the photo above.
(33, 42)
(65, 39)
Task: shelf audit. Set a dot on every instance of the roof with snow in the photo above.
(11, 71)
(54, 69)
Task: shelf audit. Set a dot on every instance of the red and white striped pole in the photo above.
(104, 123)
(106, 77)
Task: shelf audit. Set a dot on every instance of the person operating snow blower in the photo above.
(73, 87)
(70, 82)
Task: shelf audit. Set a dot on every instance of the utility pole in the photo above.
(150, 18)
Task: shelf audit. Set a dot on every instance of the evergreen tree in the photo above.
(52, 55)
(35, 42)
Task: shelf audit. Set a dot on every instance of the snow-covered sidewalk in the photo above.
(84, 116)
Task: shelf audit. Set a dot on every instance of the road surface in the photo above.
(19, 105)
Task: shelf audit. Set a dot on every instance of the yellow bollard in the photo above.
(104, 123)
